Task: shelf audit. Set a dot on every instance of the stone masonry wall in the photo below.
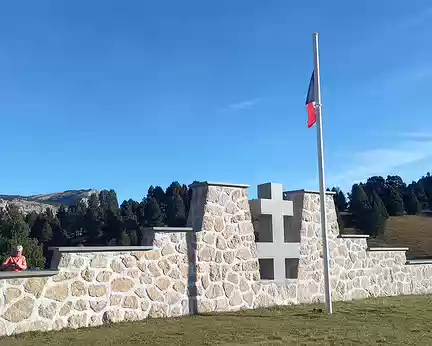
(227, 260)
(356, 272)
(95, 288)
(213, 269)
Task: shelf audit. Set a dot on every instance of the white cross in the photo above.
(270, 202)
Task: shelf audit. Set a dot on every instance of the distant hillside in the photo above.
(39, 203)
(412, 231)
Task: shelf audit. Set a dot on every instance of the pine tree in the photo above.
(186, 200)
(377, 184)
(15, 231)
(397, 182)
(129, 217)
(378, 216)
(150, 192)
(112, 227)
(123, 239)
(161, 199)
(42, 229)
(46, 233)
(381, 205)
(77, 216)
(93, 222)
(133, 236)
(339, 199)
(174, 189)
(152, 213)
(60, 236)
(93, 201)
(108, 201)
(361, 208)
(49, 216)
(393, 202)
(31, 218)
(176, 216)
(411, 203)
(140, 212)
(340, 221)
(420, 193)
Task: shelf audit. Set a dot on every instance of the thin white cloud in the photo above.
(381, 161)
(243, 104)
(410, 135)
(417, 135)
(400, 78)
(417, 20)
(395, 29)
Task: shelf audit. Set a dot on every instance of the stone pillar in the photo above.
(307, 218)
(226, 253)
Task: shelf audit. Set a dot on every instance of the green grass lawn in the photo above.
(384, 321)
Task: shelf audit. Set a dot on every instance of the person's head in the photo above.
(19, 250)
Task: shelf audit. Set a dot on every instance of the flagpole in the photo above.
(317, 81)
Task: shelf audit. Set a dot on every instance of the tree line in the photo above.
(102, 221)
(98, 221)
(370, 204)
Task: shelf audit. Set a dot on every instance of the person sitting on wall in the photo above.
(16, 262)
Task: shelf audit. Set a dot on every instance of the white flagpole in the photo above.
(317, 86)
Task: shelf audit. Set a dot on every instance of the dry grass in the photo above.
(385, 321)
(414, 232)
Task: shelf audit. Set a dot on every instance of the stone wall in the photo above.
(94, 288)
(228, 275)
(356, 270)
(212, 268)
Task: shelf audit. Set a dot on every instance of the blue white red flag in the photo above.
(310, 102)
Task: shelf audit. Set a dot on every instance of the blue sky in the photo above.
(116, 94)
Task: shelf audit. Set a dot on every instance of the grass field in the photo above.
(410, 231)
(385, 321)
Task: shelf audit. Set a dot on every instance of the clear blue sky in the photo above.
(124, 94)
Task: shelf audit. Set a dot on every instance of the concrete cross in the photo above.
(272, 238)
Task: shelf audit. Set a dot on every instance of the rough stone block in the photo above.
(81, 305)
(35, 286)
(98, 305)
(130, 302)
(97, 290)
(129, 261)
(78, 321)
(154, 294)
(57, 292)
(47, 310)
(88, 275)
(11, 294)
(78, 289)
(65, 309)
(122, 285)
(19, 311)
(113, 316)
(99, 261)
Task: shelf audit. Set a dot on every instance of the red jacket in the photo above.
(15, 263)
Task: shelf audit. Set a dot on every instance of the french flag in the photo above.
(310, 102)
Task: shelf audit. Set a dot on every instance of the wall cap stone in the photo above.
(79, 249)
(315, 192)
(169, 229)
(218, 184)
(354, 236)
(387, 249)
(278, 282)
(27, 274)
(419, 261)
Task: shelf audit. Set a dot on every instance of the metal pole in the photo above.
(327, 283)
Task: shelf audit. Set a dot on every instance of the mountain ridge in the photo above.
(40, 202)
